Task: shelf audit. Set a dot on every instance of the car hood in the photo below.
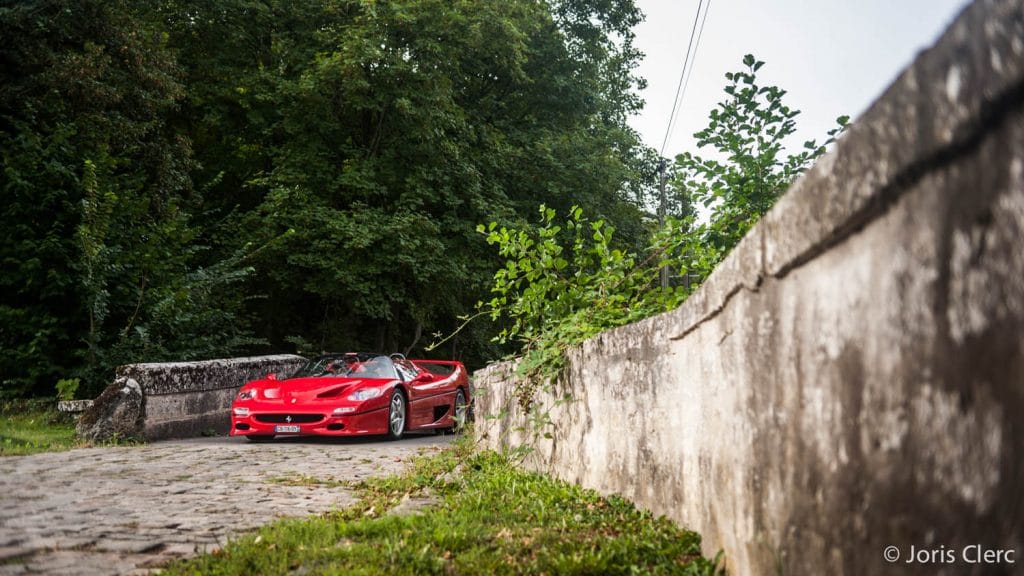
(312, 388)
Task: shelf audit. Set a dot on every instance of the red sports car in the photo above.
(354, 394)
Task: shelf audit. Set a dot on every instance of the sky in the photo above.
(833, 57)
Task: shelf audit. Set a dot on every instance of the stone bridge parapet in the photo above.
(847, 388)
(163, 400)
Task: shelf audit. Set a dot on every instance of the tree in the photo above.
(91, 179)
(381, 132)
(100, 256)
(556, 289)
(747, 172)
(178, 171)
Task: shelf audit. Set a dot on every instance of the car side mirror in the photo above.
(423, 378)
(271, 376)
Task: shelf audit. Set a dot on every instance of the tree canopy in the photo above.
(198, 178)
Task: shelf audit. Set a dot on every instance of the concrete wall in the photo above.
(179, 399)
(852, 376)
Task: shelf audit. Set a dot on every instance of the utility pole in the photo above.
(662, 209)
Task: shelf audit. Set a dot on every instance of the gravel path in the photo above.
(128, 510)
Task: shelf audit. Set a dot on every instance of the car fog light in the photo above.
(241, 411)
(344, 410)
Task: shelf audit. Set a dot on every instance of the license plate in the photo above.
(286, 429)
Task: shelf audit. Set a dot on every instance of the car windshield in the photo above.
(348, 366)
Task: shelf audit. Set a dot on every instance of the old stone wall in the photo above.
(178, 399)
(851, 378)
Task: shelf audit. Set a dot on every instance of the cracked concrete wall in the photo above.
(852, 376)
(185, 399)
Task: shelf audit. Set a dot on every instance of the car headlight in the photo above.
(247, 394)
(240, 411)
(365, 394)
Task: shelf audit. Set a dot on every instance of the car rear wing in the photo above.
(439, 367)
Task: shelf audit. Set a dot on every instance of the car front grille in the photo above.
(289, 418)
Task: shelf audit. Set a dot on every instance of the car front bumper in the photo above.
(365, 423)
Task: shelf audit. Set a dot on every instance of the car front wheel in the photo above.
(396, 415)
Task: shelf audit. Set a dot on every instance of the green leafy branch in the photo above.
(564, 283)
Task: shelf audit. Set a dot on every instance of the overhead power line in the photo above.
(685, 73)
(689, 72)
(677, 105)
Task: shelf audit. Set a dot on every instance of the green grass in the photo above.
(31, 426)
(490, 518)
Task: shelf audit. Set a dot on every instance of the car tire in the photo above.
(458, 423)
(460, 412)
(398, 411)
(258, 438)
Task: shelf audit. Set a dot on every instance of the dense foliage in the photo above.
(97, 245)
(198, 178)
(560, 286)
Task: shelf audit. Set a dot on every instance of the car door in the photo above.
(425, 392)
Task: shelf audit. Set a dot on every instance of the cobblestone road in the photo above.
(128, 510)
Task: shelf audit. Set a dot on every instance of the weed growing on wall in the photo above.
(564, 283)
